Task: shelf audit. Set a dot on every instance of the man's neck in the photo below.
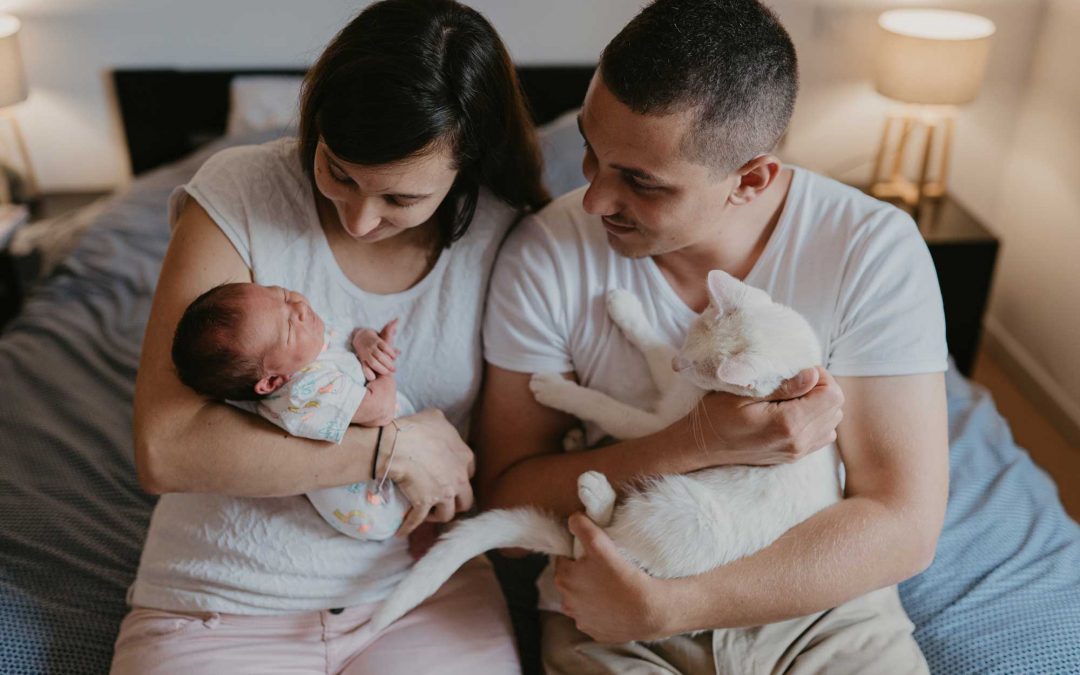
(735, 248)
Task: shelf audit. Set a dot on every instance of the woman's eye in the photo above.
(340, 178)
(394, 201)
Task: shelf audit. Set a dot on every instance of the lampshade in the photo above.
(12, 80)
(932, 56)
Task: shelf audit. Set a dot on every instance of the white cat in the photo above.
(678, 525)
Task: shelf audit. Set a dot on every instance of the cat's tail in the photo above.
(504, 528)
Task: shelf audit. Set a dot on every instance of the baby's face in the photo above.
(280, 325)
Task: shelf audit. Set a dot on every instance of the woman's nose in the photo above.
(360, 219)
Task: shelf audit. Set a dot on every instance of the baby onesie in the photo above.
(319, 403)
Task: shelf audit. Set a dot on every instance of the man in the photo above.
(680, 121)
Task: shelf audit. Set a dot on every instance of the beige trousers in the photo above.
(869, 635)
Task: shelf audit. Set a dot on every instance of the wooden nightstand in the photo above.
(14, 271)
(964, 254)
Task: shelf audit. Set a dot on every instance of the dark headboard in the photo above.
(168, 113)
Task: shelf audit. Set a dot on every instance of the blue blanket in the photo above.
(1003, 595)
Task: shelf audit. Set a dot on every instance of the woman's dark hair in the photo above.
(406, 77)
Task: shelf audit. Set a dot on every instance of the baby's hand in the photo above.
(379, 406)
(376, 351)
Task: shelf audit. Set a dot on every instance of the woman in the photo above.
(414, 157)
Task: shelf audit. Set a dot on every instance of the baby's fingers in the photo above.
(375, 365)
(383, 360)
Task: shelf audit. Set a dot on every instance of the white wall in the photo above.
(70, 45)
(1035, 308)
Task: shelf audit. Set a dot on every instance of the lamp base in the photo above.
(29, 184)
(933, 122)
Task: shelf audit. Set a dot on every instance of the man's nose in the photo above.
(601, 199)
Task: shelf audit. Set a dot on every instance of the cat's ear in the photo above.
(737, 371)
(725, 291)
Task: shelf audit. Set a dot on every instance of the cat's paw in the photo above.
(624, 308)
(574, 440)
(597, 496)
(549, 388)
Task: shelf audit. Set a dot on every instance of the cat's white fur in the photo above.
(678, 525)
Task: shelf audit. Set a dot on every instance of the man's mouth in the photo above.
(615, 227)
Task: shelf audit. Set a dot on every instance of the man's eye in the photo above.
(642, 187)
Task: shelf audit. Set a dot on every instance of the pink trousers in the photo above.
(464, 628)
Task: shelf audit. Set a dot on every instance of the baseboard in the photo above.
(1032, 380)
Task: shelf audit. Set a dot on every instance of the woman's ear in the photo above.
(270, 384)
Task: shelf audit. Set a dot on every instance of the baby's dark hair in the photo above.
(206, 349)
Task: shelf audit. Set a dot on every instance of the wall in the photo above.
(1034, 321)
(70, 45)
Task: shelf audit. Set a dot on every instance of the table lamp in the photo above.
(932, 61)
(13, 90)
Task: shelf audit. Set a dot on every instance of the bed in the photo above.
(1003, 595)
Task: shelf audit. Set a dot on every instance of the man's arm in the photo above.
(519, 441)
(894, 442)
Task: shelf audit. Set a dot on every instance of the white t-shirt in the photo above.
(855, 267)
(259, 556)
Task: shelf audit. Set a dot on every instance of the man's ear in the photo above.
(270, 384)
(754, 178)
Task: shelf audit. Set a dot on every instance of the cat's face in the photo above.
(743, 342)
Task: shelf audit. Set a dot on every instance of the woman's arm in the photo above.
(185, 442)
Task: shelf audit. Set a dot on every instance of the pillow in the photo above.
(261, 102)
(562, 147)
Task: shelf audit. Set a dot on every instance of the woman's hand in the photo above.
(431, 466)
(800, 417)
(610, 599)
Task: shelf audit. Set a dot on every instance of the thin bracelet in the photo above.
(375, 457)
(393, 449)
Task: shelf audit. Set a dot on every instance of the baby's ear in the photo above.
(737, 371)
(270, 384)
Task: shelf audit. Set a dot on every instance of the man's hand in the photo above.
(800, 417)
(376, 351)
(610, 599)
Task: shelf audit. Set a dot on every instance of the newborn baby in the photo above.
(263, 349)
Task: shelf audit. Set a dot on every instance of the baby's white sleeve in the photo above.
(320, 401)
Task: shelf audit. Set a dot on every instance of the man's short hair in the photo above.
(730, 61)
(206, 349)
